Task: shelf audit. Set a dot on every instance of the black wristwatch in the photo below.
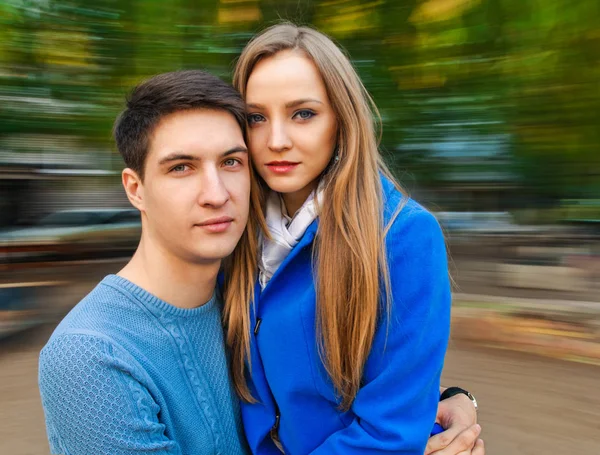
(451, 391)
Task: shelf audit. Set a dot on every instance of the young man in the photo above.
(139, 365)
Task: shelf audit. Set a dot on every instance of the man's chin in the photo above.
(216, 255)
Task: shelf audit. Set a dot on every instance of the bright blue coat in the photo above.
(395, 409)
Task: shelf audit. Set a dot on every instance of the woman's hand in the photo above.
(458, 417)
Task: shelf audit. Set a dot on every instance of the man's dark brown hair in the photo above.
(166, 94)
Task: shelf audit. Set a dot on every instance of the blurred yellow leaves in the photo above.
(344, 18)
(435, 72)
(66, 48)
(238, 11)
(416, 77)
(441, 10)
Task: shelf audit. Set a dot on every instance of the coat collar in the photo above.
(305, 241)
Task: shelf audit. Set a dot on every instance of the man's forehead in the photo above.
(197, 134)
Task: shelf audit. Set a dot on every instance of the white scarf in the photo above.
(285, 232)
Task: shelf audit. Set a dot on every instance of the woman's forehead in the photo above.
(285, 79)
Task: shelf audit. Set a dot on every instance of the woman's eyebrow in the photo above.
(288, 104)
(302, 101)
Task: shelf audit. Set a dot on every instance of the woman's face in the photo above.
(293, 127)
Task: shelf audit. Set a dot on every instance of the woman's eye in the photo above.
(255, 118)
(304, 114)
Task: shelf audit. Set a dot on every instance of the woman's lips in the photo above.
(281, 167)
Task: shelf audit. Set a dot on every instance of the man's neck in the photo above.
(178, 282)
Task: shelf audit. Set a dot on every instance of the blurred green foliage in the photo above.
(493, 92)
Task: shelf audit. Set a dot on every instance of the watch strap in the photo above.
(452, 391)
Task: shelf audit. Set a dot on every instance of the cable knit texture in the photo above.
(127, 373)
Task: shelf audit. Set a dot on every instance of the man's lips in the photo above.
(219, 224)
(219, 220)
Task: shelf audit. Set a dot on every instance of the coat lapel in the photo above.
(305, 241)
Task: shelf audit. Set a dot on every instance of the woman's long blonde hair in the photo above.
(349, 254)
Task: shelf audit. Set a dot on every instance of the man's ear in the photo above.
(134, 188)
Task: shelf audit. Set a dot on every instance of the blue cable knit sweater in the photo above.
(127, 373)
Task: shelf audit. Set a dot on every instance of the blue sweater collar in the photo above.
(152, 302)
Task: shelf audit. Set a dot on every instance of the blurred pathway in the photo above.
(529, 405)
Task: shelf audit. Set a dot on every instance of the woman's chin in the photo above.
(284, 187)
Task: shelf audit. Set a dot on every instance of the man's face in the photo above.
(196, 188)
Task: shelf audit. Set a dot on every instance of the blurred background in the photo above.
(491, 112)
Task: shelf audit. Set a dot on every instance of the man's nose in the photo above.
(214, 192)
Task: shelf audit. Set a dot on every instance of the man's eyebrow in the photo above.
(238, 149)
(178, 156)
(187, 157)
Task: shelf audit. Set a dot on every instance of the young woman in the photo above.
(338, 347)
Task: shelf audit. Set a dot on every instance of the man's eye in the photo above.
(231, 162)
(179, 168)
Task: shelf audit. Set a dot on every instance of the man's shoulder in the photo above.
(98, 311)
(90, 334)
